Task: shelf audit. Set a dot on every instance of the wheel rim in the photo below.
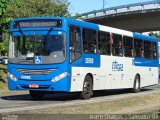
(87, 87)
(137, 84)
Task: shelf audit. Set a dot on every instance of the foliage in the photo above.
(4, 44)
(3, 21)
(78, 16)
(3, 6)
(34, 8)
(155, 35)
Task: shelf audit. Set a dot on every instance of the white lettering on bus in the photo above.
(89, 60)
(26, 77)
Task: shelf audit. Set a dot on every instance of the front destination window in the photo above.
(47, 49)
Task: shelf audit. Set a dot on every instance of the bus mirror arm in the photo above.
(50, 30)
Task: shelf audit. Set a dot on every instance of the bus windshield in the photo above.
(48, 48)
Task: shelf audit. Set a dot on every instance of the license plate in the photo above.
(33, 86)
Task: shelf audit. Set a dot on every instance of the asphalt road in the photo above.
(13, 103)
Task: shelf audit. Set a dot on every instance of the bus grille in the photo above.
(35, 72)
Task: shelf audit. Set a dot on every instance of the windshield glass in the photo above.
(37, 49)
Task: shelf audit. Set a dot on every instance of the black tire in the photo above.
(136, 86)
(36, 95)
(87, 91)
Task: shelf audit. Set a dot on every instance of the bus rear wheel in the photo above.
(87, 91)
(136, 86)
(36, 95)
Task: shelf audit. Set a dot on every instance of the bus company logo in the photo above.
(89, 60)
(116, 66)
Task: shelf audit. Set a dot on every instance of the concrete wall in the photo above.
(139, 22)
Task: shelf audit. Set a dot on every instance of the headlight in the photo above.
(59, 77)
(12, 76)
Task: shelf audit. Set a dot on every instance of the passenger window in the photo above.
(104, 43)
(117, 49)
(128, 46)
(154, 50)
(75, 42)
(138, 48)
(148, 50)
(89, 41)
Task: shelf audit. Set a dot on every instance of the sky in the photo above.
(82, 6)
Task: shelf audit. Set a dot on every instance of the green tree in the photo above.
(34, 8)
(78, 16)
(155, 35)
(3, 21)
(3, 6)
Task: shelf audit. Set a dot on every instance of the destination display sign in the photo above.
(37, 23)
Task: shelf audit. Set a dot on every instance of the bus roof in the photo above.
(88, 25)
(36, 18)
(115, 30)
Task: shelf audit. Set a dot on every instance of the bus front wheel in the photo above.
(87, 91)
(36, 95)
(136, 86)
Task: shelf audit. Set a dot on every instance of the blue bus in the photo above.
(55, 54)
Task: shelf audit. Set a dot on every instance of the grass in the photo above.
(4, 84)
(3, 77)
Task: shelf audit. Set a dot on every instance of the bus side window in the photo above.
(148, 50)
(128, 46)
(104, 46)
(154, 50)
(89, 41)
(117, 46)
(138, 48)
(75, 42)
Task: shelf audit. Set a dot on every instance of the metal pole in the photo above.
(103, 3)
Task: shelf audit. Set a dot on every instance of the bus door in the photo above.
(84, 56)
